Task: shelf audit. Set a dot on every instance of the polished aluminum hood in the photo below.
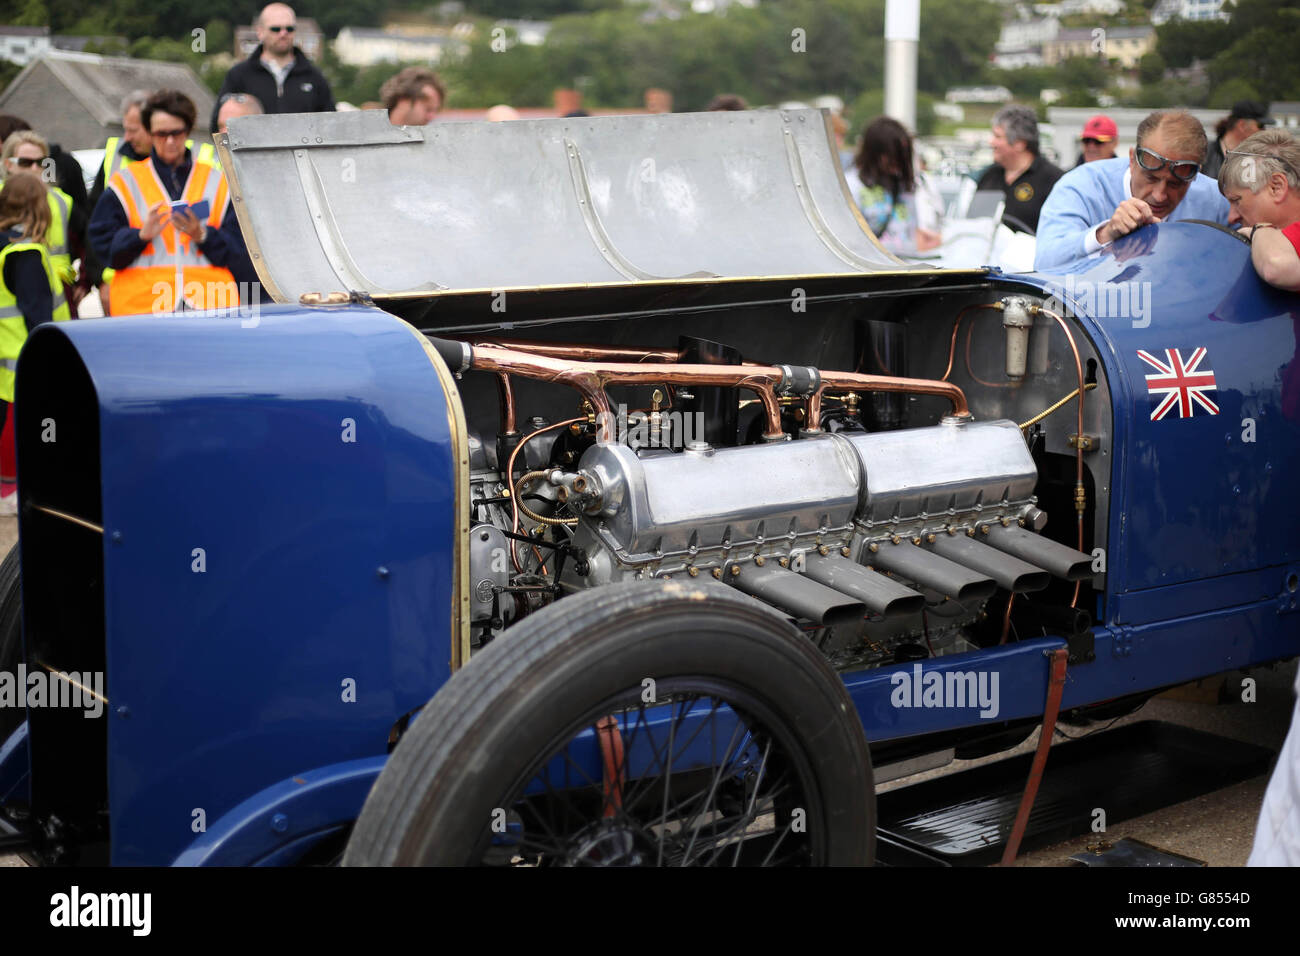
(348, 203)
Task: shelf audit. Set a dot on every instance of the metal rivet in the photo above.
(279, 823)
(382, 571)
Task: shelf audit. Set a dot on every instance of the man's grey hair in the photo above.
(1019, 123)
(1185, 132)
(1259, 158)
(136, 98)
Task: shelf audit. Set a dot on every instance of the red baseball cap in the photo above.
(1101, 128)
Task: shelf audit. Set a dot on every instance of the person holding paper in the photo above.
(166, 257)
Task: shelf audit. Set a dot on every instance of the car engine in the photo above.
(882, 545)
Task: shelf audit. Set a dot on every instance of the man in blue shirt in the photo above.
(1094, 204)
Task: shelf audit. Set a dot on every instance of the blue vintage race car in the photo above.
(598, 491)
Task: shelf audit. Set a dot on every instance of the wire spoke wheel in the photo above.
(632, 725)
(750, 805)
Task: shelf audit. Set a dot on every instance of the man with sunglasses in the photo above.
(277, 72)
(1098, 139)
(1097, 203)
(1261, 181)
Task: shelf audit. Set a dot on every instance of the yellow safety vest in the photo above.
(57, 237)
(115, 161)
(171, 267)
(13, 327)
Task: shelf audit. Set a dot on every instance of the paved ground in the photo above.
(1217, 828)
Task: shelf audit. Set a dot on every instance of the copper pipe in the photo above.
(1078, 447)
(1006, 619)
(956, 324)
(514, 501)
(857, 382)
(970, 330)
(507, 395)
(582, 351)
(591, 379)
(579, 352)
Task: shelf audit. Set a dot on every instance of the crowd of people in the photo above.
(157, 232)
(1172, 172)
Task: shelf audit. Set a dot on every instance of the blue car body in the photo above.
(281, 550)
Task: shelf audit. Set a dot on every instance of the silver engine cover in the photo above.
(702, 509)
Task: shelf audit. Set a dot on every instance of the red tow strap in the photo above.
(1055, 690)
(611, 752)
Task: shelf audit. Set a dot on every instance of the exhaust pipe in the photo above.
(797, 595)
(880, 594)
(1009, 571)
(932, 571)
(1060, 560)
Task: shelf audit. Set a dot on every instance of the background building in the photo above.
(1125, 45)
(21, 45)
(74, 99)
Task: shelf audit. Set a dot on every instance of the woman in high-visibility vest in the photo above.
(132, 146)
(166, 258)
(27, 154)
(30, 292)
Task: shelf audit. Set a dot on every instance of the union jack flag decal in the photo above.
(1180, 384)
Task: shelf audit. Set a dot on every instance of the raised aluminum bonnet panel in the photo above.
(347, 202)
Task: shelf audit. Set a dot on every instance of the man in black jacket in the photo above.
(278, 73)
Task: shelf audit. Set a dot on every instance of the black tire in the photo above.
(11, 634)
(521, 702)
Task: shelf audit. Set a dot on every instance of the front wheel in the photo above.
(634, 724)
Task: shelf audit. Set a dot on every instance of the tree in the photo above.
(1151, 68)
(1182, 41)
(8, 70)
(1083, 72)
(1233, 91)
(32, 14)
(1263, 56)
(957, 38)
(872, 104)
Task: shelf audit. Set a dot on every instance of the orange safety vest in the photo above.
(171, 268)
